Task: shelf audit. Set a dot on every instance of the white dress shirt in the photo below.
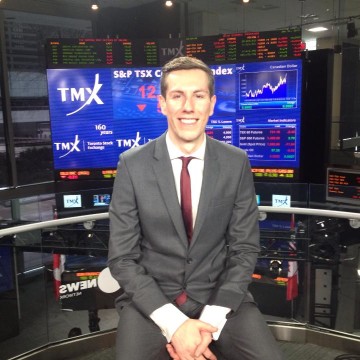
(169, 317)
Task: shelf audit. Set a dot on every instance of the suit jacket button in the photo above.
(189, 261)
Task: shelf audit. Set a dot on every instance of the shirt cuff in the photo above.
(216, 316)
(168, 318)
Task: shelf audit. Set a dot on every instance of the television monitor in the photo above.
(97, 113)
(343, 185)
(72, 201)
(101, 199)
(79, 200)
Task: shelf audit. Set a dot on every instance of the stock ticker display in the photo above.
(248, 46)
(343, 185)
(103, 99)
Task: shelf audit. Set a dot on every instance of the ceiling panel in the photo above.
(257, 15)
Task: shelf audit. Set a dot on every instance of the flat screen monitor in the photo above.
(343, 185)
(101, 199)
(72, 201)
(80, 201)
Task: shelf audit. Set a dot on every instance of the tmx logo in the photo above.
(85, 95)
(131, 143)
(69, 147)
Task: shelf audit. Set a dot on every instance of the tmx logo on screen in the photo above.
(83, 95)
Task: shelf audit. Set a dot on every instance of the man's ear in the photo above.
(162, 103)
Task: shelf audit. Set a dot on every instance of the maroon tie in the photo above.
(185, 190)
(186, 209)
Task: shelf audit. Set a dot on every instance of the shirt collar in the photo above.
(175, 153)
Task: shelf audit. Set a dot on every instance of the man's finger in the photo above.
(207, 327)
(206, 339)
(207, 354)
(172, 352)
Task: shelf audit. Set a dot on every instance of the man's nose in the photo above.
(188, 104)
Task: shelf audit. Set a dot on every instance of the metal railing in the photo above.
(354, 218)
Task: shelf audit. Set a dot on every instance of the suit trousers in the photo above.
(245, 336)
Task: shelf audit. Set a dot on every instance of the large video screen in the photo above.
(97, 113)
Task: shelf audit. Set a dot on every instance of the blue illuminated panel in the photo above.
(97, 113)
(269, 116)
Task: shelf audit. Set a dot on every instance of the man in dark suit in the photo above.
(186, 290)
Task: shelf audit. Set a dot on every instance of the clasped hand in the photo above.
(191, 341)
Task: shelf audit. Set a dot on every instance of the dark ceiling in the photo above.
(208, 17)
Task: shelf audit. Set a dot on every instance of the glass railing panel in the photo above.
(335, 257)
(23, 302)
(283, 252)
(323, 250)
(28, 209)
(9, 309)
(37, 208)
(86, 238)
(5, 213)
(318, 200)
(77, 305)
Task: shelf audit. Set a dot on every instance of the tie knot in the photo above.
(185, 160)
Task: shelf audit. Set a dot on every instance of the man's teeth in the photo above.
(188, 121)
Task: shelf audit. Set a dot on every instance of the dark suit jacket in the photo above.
(148, 249)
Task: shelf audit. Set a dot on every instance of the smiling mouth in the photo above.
(188, 121)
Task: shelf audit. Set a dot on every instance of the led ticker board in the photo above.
(268, 45)
(97, 113)
(343, 186)
(225, 48)
(101, 52)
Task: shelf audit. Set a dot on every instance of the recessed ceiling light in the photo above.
(94, 5)
(168, 3)
(318, 29)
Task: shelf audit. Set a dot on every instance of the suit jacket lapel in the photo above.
(165, 177)
(210, 178)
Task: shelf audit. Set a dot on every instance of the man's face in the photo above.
(187, 106)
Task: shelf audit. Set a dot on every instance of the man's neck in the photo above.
(188, 148)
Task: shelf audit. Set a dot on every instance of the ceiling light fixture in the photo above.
(94, 5)
(318, 29)
(246, 1)
(169, 3)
